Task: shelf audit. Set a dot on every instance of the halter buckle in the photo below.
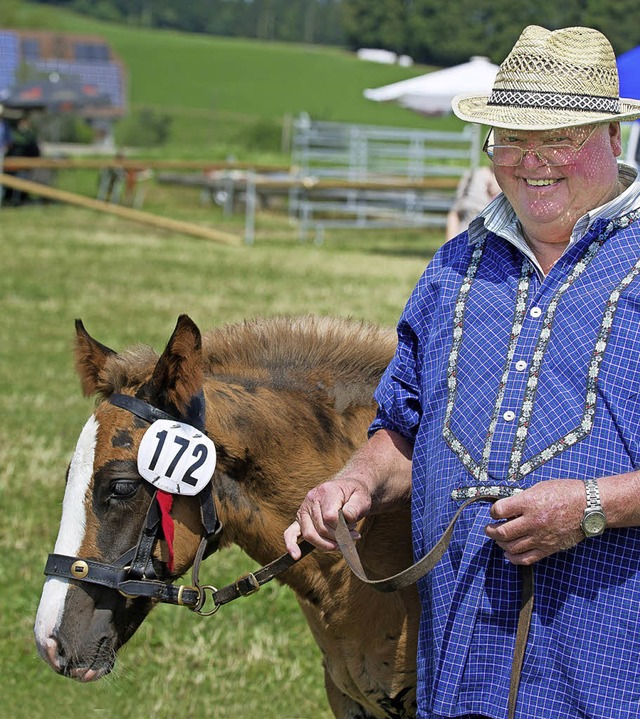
(203, 599)
(246, 585)
(128, 596)
(127, 569)
(181, 589)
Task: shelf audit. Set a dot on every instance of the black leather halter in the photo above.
(132, 574)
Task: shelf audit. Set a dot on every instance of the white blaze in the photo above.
(70, 536)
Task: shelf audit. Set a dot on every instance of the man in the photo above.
(23, 142)
(517, 373)
(5, 135)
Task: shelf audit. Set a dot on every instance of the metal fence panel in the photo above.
(383, 156)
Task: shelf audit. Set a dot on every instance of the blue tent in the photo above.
(629, 72)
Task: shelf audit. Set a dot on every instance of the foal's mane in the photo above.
(278, 351)
(300, 344)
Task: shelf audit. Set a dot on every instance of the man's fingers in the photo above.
(304, 527)
(351, 513)
(525, 558)
(508, 530)
(315, 529)
(322, 520)
(317, 517)
(291, 534)
(506, 508)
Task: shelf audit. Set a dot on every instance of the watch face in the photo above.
(593, 523)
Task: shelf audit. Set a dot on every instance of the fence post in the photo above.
(250, 209)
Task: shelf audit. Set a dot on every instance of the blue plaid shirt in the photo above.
(503, 376)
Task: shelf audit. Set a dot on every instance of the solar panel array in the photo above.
(105, 75)
(9, 59)
(93, 66)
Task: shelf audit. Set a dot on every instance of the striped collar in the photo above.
(499, 217)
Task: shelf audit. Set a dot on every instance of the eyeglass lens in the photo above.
(512, 155)
(550, 154)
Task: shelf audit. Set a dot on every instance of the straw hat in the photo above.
(552, 79)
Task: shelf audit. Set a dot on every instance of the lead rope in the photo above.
(426, 564)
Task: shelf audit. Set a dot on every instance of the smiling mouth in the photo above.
(540, 183)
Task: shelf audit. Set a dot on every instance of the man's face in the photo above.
(548, 199)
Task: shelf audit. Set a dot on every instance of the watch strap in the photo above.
(593, 521)
(593, 495)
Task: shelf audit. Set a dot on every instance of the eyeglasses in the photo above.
(554, 155)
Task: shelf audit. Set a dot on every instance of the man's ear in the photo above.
(615, 137)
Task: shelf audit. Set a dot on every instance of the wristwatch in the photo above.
(593, 520)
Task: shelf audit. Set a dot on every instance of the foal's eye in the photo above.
(123, 489)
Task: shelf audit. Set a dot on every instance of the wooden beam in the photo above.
(427, 183)
(84, 163)
(26, 163)
(127, 213)
(311, 184)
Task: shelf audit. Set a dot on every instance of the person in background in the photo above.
(5, 134)
(5, 139)
(517, 375)
(23, 142)
(476, 189)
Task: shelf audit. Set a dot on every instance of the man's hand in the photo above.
(376, 479)
(540, 521)
(317, 517)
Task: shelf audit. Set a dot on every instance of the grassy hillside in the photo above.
(234, 92)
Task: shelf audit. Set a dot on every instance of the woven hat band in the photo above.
(554, 101)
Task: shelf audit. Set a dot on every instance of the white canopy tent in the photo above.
(431, 94)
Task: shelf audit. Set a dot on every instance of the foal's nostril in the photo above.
(55, 653)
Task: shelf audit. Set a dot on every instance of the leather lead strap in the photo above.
(522, 634)
(249, 583)
(415, 571)
(426, 564)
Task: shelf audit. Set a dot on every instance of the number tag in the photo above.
(176, 457)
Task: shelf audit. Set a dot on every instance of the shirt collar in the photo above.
(499, 217)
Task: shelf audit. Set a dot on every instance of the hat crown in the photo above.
(574, 60)
(552, 79)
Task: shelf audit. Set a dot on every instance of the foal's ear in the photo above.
(179, 374)
(91, 357)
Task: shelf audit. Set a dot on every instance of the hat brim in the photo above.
(475, 108)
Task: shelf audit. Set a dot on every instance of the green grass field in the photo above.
(128, 283)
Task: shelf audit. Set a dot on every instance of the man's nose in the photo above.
(530, 158)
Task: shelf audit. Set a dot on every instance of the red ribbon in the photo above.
(165, 502)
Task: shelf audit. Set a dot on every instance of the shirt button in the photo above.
(509, 416)
(535, 312)
(521, 365)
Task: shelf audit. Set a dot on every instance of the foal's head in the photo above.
(79, 626)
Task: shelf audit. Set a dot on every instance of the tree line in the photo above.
(444, 33)
(430, 31)
(306, 21)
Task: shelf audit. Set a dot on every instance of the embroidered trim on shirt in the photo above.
(458, 315)
(524, 420)
(486, 490)
(517, 470)
(516, 327)
(575, 435)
